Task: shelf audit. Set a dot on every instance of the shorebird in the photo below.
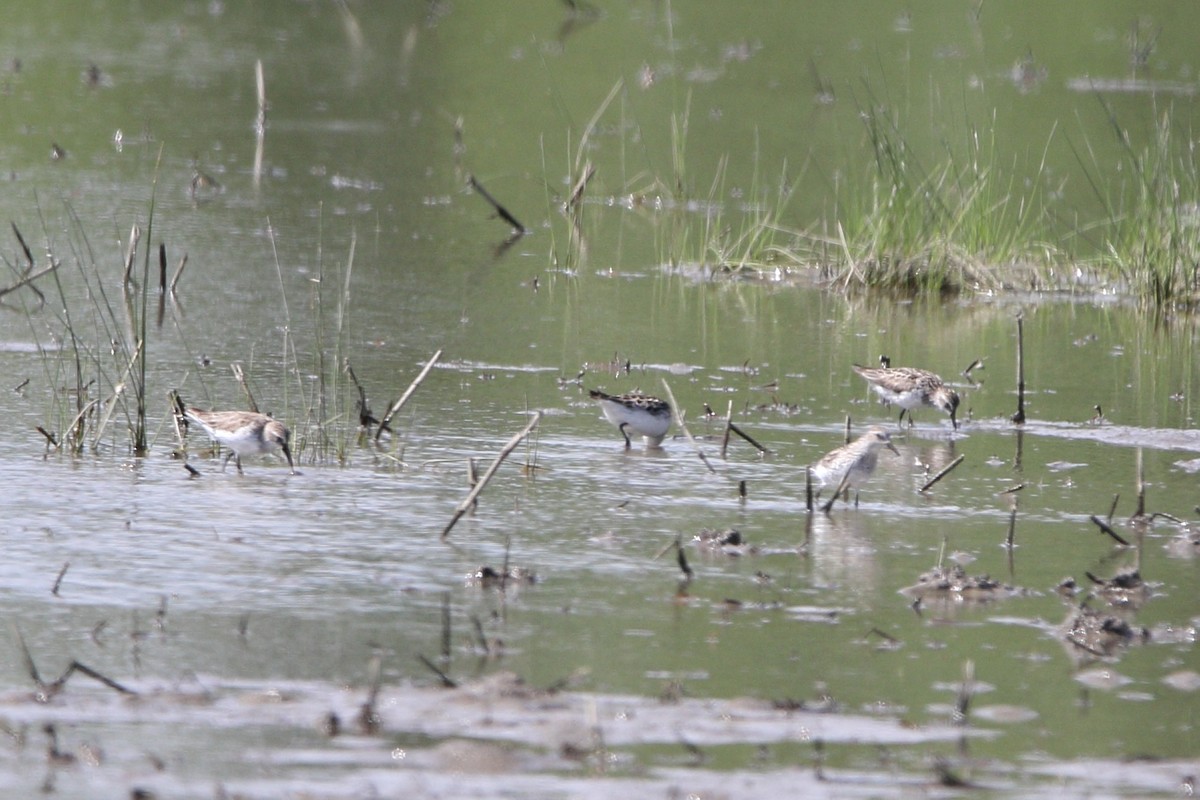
(909, 388)
(636, 412)
(853, 463)
(244, 433)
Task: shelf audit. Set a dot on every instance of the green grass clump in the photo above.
(956, 225)
(1152, 235)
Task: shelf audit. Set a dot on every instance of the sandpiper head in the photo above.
(880, 438)
(947, 400)
(277, 435)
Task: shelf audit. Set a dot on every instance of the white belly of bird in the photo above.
(245, 441)
(909, 400)
(640, 421)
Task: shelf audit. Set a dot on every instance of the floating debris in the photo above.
(727, 541)
(486, 577)
(1099, 634)
(954, 584)
(1126, 589)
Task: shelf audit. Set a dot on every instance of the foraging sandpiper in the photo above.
(910, 388)
(853, 463)
(636, 412)
(244, 433)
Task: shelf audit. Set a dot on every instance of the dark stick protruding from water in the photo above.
(808, 490)
(1019, 417)
(1140, 512)
(681, 558)
(730, 427)
(61, 574)
(447, 681)
(945, 471)
(50, 438)
(495, 204)
(48, 690)
(469, 501)
(762, 450)
(385, 424)
(368, 716)
(162, 267)
(24, 247)
(1104, 526)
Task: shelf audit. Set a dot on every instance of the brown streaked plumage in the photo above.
(910, 388)
(244, 433)
(853, 462)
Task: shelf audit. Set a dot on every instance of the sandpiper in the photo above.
(909, 388)
(853, 462)
(244, 433)
(636, 412)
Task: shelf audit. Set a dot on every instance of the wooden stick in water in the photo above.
(748, 438)
(469, 501)
(1019, 417)
(728, 428)
(683, 426)
(1104, 526)
(162, 267)
(1141, 488)
(399, 404)
(501, 210)
(945, 471)
(178, 274)
(24, 247)
(808, 492)
(58, 581)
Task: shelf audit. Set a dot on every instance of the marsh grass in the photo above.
(1151, 237)
(947, 225)
(97, 360)
(92, 377)
(726, 231)
(951, 222)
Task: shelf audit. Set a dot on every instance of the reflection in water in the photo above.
(842, 554)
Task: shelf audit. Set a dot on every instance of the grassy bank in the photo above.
(959, 221)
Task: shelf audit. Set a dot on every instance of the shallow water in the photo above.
(244, 610)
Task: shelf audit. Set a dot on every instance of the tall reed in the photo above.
(1151, 237)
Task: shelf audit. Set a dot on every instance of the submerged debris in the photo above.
(953, 583)
(726, 541)
(1098, 633)
(1126, 589)
(486, 577)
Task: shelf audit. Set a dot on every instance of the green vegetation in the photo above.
(1152, 234)
(961, 222)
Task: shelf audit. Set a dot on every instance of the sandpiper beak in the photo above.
(892, 447)
(287, 452)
